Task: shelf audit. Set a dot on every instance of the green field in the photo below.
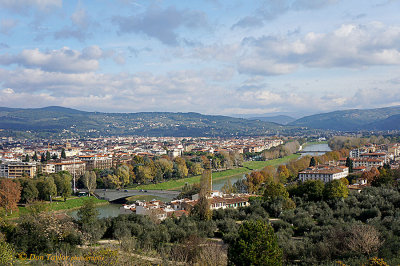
(247, 167)
(72, 203)
(59, 205)
(256, 165)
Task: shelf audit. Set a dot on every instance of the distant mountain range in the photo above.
(387, 118)
(59, 121)
(279, 119)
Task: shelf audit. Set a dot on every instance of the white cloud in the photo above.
(62, 60)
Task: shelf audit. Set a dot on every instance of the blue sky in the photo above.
(294, 57)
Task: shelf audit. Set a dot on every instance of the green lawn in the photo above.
(58, 205)
(248, 166)
(72, 203)
(256, 165)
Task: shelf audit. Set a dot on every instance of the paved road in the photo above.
(113, 194)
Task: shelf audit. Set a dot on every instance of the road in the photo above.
(114, 194)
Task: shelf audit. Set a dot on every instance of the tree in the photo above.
(63, 184)
(256, 244)
(202, 208)
(47, 188)
(27, 159)
(274, 191)
(123, 174)
(196, 169)
(228, 188)
(42, 158)
(35, 158)
(164, 168)
(29, 192)
(88, 219)
(10, 194)
(312, 190)
(364, 239)
(312, 162)
(48, 156)
(283, 173)
(89, 179)
(54, 156)
(254, 181)
(349, 164)
(7, 253)
(335, 189)
(63, 155)
(111, 181)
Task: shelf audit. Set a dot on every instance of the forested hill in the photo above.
(356, 119)
(60, 121)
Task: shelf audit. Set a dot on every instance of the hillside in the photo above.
(349, 120)
(51, 121)
(279, 119)
(390, 123)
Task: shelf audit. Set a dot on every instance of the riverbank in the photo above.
(58, 205)
(247, 167)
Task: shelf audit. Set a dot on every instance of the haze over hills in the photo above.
(70, 122)
(279, 119)
(354, 119)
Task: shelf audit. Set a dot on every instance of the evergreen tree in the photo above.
(349, 164)
(48, 156)
(255, 245)
(27, 158)
(63, 155)
(35, 158)
(312, 162)
(42, 158)
(54, 156)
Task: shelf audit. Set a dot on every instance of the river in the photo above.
(309, 150)
(316, 150)
(112, 210)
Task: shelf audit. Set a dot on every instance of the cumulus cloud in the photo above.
(365, 45)
(162, 24)
(63, 60)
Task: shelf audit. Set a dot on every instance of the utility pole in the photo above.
(211, 188)
(74, 177)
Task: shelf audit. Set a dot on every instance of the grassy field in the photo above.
(256, 165)
(59, 205)
(247, 167)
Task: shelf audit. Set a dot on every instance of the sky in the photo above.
(225, 57)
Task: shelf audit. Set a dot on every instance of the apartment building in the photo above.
(325, 173)
(17, 169)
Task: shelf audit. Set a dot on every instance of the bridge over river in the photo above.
(114, 194)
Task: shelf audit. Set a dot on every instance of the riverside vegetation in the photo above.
(302, 224)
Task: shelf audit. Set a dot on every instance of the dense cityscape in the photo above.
(211, 133)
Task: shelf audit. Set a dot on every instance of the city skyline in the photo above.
(213, 57)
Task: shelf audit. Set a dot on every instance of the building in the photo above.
(325, 173)
(96, 161)
(17, 169)
(77, 167)
(368, 162)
